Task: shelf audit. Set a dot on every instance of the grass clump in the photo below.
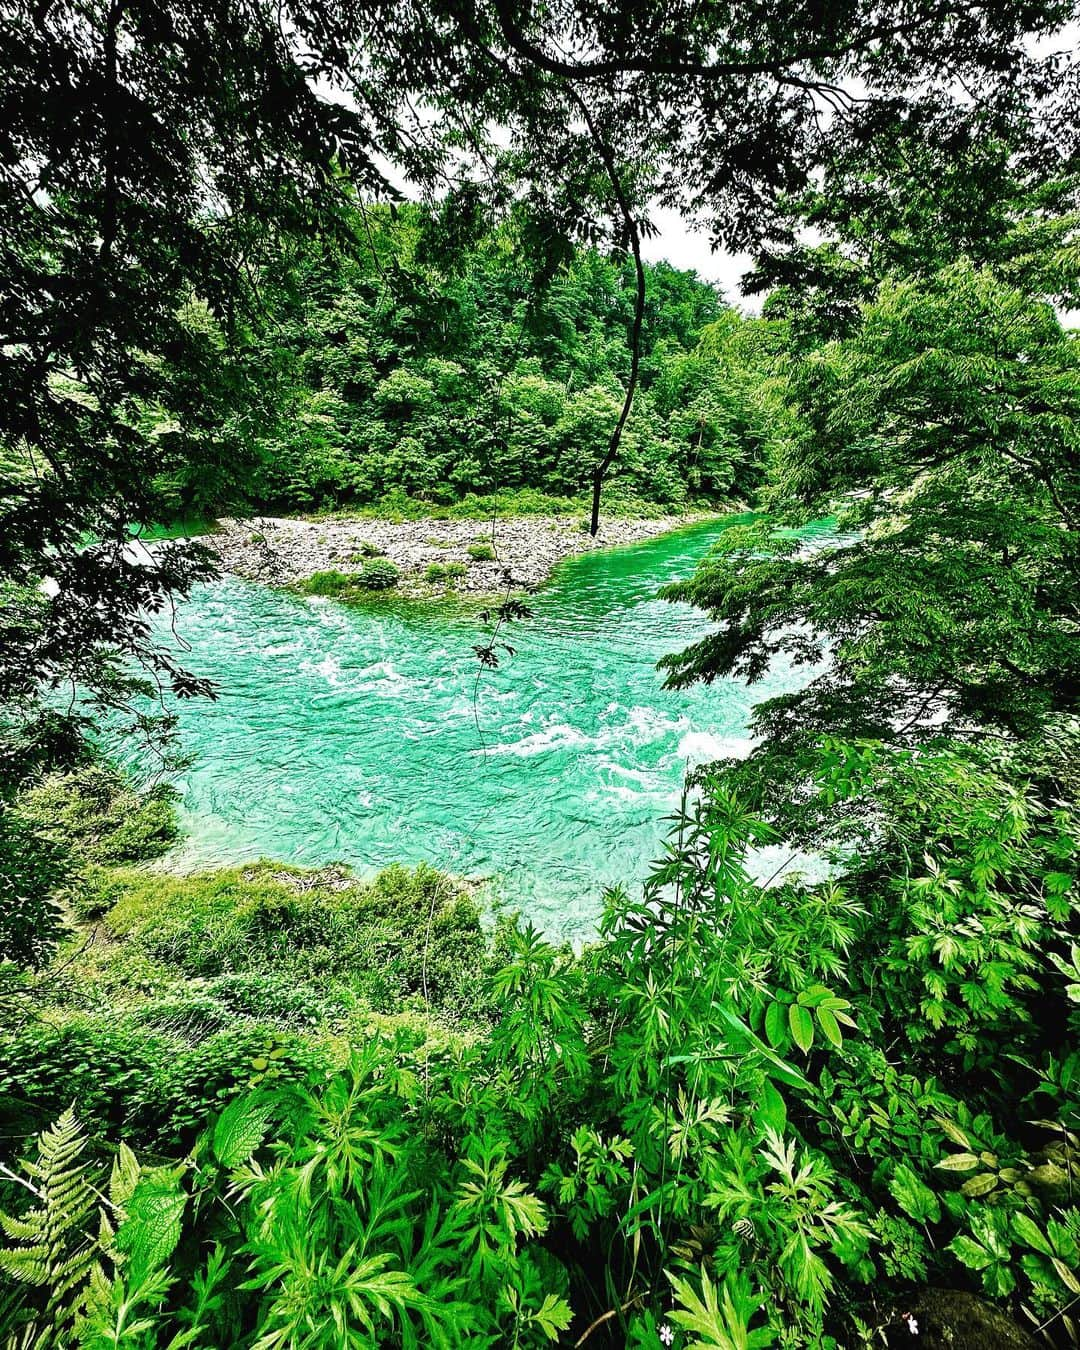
(331, 583)
(366, 549)
(377, 574)
(481, 552)
(451, 571)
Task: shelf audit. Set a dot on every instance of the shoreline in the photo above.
(288, 550)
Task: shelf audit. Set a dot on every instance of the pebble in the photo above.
(284, 550)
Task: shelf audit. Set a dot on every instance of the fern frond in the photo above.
(56, 1248)
(25, 1229)
(27, 1265)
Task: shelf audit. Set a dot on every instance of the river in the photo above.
(362, 735)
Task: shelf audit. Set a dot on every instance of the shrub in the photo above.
(450, 571)
(267, 996)
(97, 813)
(480, 552)
(33, 872)
(377, 575)
(406, 933)
(144, 1084)
(329, 583)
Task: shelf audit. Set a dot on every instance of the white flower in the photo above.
(667, 1334)
(912, 1325)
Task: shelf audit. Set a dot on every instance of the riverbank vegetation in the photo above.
(273, 1108)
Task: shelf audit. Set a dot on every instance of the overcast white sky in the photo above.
(685, 247)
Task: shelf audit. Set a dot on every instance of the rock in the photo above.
(951, 1319)
(283, 550)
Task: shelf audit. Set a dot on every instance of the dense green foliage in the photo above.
(407, 369)
(707, 1094)
(276, 1109)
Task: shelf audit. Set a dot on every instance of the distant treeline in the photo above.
(437, 368)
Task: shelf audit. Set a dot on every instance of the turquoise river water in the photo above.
(351, 734)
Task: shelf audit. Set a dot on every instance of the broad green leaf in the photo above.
(980, 1185)
(151, 1230)
(773, 1111)
(913, 1196)
(958, 1162)
(240, 1129)
(776, 1026)
(970, 1253)
(829, 1025)
(802, 1027)
(1027, 1230)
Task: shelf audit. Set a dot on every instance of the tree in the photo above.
(150, 152)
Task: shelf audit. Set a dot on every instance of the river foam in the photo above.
(366, 736)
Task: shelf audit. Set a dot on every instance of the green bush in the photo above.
(34, 873)
(451, 571)
(97, 814)
(137, 1080)
(377, 575)
(389, 941)
(480, 552)
(330, 583)
(266, 996)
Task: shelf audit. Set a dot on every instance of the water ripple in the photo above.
(344, 734)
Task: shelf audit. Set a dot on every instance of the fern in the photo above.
(55, 1248)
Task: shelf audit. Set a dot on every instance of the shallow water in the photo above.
(350, 734)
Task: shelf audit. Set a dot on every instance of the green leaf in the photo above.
(1067, 1277)
(1027, 1230)
(829, 1025)
(913, 1196)
(958, 1162)
(980, 1185)
(802, 1027)
(773, 1110)
(781, 1069)
(240, 1129)
(553, 1315)
(970, 1253)
(151, 1230)
(776, 1026)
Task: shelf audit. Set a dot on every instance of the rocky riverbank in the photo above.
(523, 549)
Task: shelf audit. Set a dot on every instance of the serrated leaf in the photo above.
(151, 1230)
(553, 1315)
(239, 1130)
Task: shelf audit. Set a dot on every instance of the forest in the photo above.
(281, 1068)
